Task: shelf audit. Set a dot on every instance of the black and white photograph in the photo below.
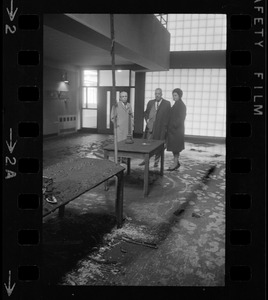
(134, 149)
(134, 140)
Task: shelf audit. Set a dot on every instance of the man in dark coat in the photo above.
(156, 116)
(175, 137)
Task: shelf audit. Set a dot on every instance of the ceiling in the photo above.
(66, 49)
(83, 41)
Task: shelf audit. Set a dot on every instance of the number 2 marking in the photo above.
(8, 28)
(8, 160)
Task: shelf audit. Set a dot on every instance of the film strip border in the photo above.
(246, 145)
(22, 146)
(245, 185)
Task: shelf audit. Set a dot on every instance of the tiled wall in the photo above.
(191, 32)
(204, 94)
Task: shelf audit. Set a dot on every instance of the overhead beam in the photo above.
(198, 59)
(139, 38)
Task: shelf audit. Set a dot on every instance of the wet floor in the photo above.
(175, 236)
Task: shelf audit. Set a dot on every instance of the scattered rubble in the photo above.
(179, 212)
(196, 215)
(131, 231)
(146, 244)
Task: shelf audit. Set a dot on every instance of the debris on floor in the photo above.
(131, 231)
(178, 212)
(196, 215)
(192, 149)
(137, 242)
(149, 249)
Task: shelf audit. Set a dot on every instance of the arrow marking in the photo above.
(11, 13)
(10, 146)
(8, 288)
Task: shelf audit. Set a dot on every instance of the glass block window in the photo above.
(204, 94)
(192, 32)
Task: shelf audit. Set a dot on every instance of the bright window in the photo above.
(89, 97)
(121, 77)
(90, 78)
(89, 117)
(204, 94)
(190, 32)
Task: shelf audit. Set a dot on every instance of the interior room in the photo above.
(127, 220)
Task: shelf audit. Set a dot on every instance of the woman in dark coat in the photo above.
(175, 135)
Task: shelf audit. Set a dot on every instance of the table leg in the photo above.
(61, 211)
(162, 162)
(106, 154)
(106, 183)
(146, 175)
(128, 166)
(119, 199)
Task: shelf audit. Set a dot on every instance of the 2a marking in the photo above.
(12, 161)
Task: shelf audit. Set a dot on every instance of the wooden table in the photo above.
(75, 177)
(141, 148)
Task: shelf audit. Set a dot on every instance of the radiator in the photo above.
(67, 124)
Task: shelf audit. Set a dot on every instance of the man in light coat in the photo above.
(122, 111)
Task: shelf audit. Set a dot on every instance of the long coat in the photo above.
(175, 137)
(160, 124)
(122, 119)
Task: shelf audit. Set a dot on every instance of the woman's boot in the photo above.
(176, 163)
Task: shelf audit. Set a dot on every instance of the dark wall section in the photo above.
(139, 35)
(198, 59)
(139, 102)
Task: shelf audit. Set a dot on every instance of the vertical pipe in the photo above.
(113, 87)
